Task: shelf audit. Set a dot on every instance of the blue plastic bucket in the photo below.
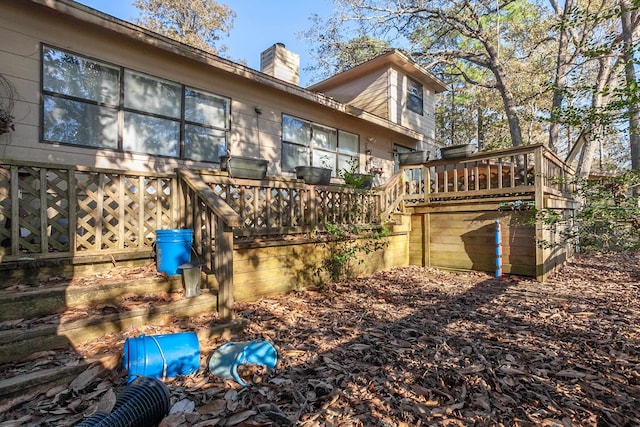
(161, 356)
(173, 248)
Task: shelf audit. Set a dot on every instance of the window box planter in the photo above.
(244, 167)
(457, 151)
(314, 175)
(413, 157)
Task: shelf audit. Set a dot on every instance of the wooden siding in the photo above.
(466, 240)
(424, 123)
(25, 26)
(369, 92)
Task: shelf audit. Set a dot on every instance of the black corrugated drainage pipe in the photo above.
(143, 403)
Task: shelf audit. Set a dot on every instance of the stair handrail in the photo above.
(222, 219)
(393, 195)
(219, 207)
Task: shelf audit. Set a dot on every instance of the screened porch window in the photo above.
(94, 104)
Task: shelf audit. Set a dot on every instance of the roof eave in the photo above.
(394, 56)
(150, 38)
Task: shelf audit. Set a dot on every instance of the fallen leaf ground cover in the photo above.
(415, 346)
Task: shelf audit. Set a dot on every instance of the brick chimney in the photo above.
(281, 63)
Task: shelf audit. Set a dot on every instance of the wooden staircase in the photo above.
(49, 327)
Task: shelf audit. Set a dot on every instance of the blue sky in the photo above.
(258, 25)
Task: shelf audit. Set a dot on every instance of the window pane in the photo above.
(202, 143)
(74, 122)
(73, 75)
(294, 155)
(144, 134)
(324, 137)
(414, 96)
(296, 130)
(346, 163)
(151, 94)
(348, 143)
(324, 159)
(206, 109)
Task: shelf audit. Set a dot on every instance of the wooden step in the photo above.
(28, 304)
(18, 343)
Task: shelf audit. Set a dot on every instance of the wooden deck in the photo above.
(455, 213)
(75, 215)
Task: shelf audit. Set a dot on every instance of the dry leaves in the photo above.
(414, 346)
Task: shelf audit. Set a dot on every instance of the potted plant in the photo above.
(353, 178)
(243, 166)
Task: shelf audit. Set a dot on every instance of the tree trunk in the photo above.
(559, 83)
(630, 75)
(510, 105)
(597, 101)
(480, 128)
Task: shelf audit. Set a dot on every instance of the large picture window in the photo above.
(415, 96)
(306, 143)
(94, 104)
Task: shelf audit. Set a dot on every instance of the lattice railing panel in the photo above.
(29, 216)
(88, 214)
(45, 210)
(263, 207)
(58, 210)
(111, 215)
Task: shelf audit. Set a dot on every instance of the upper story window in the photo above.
(415, 96)
(95, 104)
(306, 143)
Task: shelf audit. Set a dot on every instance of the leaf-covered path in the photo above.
(413, 346)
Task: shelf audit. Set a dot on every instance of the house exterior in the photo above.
(101, 92)
(119, 132)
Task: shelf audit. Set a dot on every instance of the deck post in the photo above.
(539, 203)
(224, 268)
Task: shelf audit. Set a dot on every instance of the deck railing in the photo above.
(275, 206)
(56, 212)
(519, 172)
(53, 211)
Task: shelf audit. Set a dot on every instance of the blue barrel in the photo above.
(161, 356)
(173, 248)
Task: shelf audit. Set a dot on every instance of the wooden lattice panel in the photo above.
(162, 188)
(30, 203)
(111, 215)
(89, 204)
(57, 204)
(132, 222)
(250, 205)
